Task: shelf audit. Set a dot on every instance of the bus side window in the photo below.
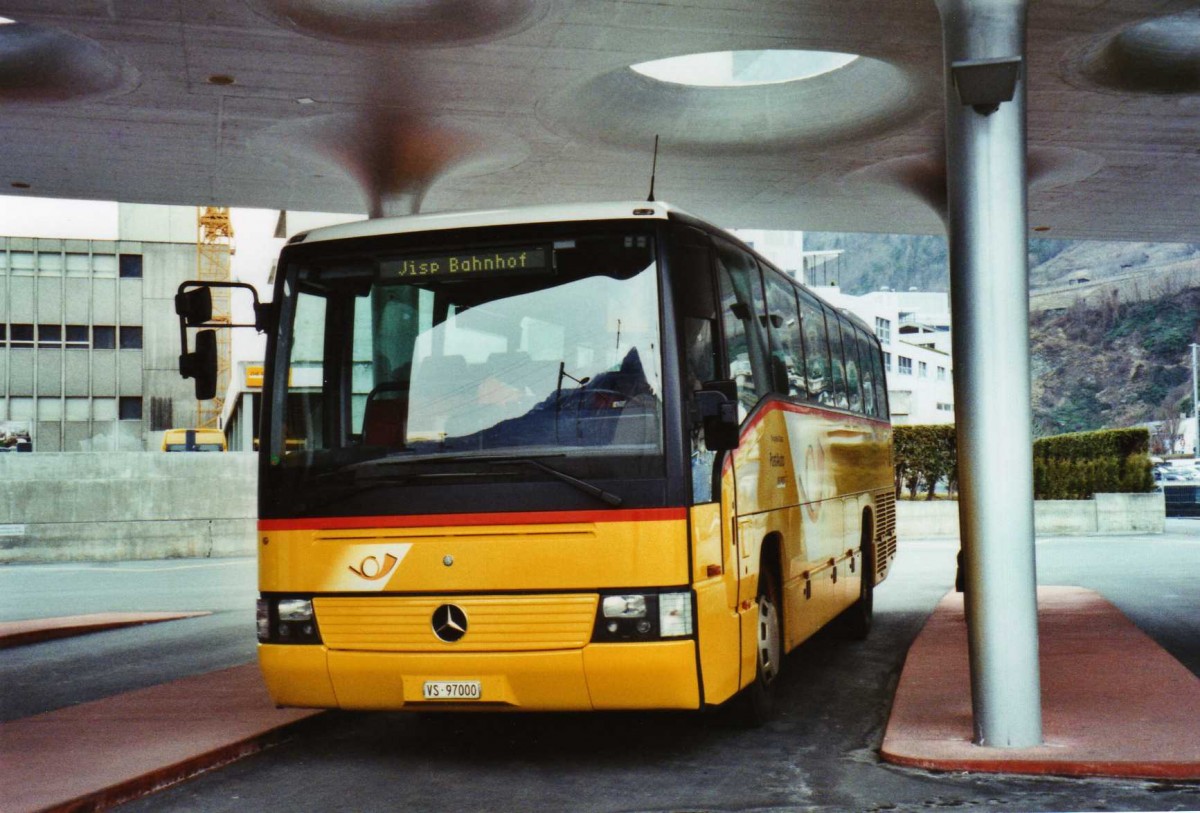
(867, 371)
(837, 359)
(783, 329)
(305, 422)
(853, 378)
(816, 349)
(741, 314)
(881, 395)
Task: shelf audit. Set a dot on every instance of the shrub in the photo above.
(1065, 467)
(1077, 465)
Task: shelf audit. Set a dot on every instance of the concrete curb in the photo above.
(20, 633)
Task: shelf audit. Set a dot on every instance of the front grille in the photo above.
(494, 623)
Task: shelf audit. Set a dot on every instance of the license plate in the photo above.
(453, 690)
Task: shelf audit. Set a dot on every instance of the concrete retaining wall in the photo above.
(58, 507)
(1103, 514)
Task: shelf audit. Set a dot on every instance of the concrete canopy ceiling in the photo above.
(338, 105)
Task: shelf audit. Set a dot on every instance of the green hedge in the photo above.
(1077, 465)
(1110, 443)
(1065, 467)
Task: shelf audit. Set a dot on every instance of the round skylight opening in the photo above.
(725, 69)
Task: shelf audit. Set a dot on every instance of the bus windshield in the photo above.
(434, 356)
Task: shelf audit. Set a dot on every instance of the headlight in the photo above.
(624, 606)
(287, 621)
(643, 617)
(295, 609)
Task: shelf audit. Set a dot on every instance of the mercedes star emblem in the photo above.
(449, 623)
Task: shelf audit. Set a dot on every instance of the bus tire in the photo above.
(856, 620)
(755, 705)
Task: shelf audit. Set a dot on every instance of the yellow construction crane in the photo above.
(214, 250)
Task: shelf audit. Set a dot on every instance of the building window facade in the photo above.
(905, 364)
(883, 329)
(60, 300)
(130, 266)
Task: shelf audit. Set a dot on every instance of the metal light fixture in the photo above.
(985, 84)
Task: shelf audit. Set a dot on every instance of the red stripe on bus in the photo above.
(441, 520)
(800, 409)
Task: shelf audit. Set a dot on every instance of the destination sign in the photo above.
(476, 263)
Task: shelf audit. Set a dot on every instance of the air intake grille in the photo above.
(494, 623)
(885, 531)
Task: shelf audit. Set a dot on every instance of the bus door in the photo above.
(716, 558)
(747, 363)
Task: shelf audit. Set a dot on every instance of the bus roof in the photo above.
(488, 217)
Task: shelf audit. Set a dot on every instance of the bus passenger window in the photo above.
(881, 399)
(837, 363)
(816, 349)
(853, 379)
(783, 328)
(867, 371)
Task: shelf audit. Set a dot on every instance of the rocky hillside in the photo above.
(1105, 365)
(899, 261)
(1113, 366)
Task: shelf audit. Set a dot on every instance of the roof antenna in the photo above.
(653, 170)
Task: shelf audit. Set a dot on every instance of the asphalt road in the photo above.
(59, 673)
(820, 754)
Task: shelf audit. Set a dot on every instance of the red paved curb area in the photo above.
(1114, 703)
(99, 754)
(19, 633)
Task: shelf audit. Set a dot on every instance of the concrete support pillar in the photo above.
(984, 44)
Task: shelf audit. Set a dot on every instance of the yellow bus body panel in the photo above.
(802, 480)
(805, 477)
(484, 558)
(717, 616)
(652, 675)
(529, 591)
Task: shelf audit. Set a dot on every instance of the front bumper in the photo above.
(651, 675)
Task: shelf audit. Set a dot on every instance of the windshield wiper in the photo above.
(373, 468)
(374, 472)
(582, 485)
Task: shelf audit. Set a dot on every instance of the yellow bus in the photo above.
(573, 458)
(194, 440)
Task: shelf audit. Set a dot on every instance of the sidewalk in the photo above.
(102, 753)
(1114, 703)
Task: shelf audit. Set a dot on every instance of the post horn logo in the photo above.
(372, 570)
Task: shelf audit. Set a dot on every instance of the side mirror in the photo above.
(716, 405)
(194, 307)
(201, 364)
